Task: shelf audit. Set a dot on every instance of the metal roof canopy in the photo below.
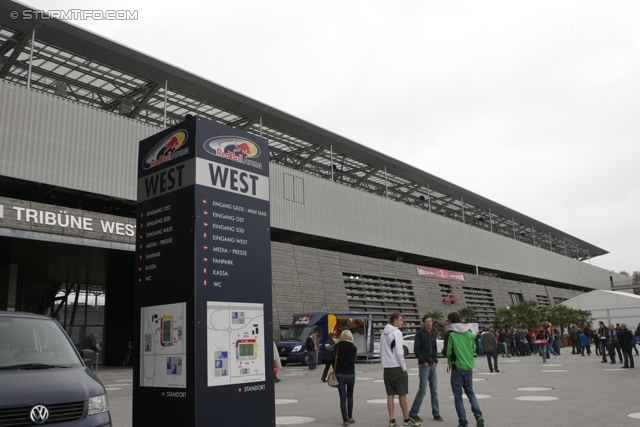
(77, 64)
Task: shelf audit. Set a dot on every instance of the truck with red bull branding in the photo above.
(292, 346)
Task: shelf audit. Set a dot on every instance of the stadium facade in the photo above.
(351, 229)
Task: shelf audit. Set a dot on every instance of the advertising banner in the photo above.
(438, 273)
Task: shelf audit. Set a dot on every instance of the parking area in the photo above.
(568, 390)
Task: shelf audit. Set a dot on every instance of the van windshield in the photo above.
(298, 333)
(32, 341)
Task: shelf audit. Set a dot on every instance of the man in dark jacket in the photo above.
(574, 334)
(490, 345)
(603, 336)
(311, 350)
(329, 356)
(626, 346)
(425, 347)
(521, 341)
(89, 342)
(614, 344)
(586, 329)
(617, 347)
(502, 342)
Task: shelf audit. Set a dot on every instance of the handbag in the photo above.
(540, 342)
(331, 378)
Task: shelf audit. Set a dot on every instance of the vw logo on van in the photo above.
(39, 414)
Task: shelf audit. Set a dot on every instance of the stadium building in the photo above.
(351, 229)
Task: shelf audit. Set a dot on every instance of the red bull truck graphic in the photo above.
(292, 348)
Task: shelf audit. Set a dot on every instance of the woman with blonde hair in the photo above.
(346, 374)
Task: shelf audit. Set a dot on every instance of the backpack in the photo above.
(329, 355)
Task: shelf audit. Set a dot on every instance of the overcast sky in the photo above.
(533, 105)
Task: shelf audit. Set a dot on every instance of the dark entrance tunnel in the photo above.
(72, 283)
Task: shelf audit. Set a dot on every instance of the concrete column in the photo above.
(13, 283)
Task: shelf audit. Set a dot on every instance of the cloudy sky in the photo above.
(534, 105)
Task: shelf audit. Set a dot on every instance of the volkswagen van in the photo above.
(43, 379)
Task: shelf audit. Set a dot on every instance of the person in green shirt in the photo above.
(458, 348)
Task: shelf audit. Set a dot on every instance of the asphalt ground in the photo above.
(574, 391)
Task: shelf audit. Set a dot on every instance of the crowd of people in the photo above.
(460, 348)
(615, 340)
(519, 342)
(546, 341)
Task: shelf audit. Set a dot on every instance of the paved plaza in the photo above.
(570, 390)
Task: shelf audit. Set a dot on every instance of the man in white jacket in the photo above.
(396, 380)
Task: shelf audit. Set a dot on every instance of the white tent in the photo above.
(609, 307)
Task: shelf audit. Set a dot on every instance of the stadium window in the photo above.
(516, 298)
(543, 300)
(381, 296)
(293, 187)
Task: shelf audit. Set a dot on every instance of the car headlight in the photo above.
(296, 348)
(98, 405)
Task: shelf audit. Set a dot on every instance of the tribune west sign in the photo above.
(49, 219)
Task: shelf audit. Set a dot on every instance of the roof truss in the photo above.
(98, 85)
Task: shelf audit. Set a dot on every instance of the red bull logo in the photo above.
(234, 148)
(166, 150)
(304, 320)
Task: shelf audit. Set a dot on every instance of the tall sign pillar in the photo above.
(203, 279)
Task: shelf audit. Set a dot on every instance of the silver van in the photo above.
(43, 379)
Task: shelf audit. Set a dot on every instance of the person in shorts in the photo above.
(396, 379)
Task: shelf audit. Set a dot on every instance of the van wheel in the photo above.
(406, 350)
(305, 360)
(283, 363)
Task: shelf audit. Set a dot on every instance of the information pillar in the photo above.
(203, 279)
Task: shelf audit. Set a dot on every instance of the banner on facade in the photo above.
(438, 273)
